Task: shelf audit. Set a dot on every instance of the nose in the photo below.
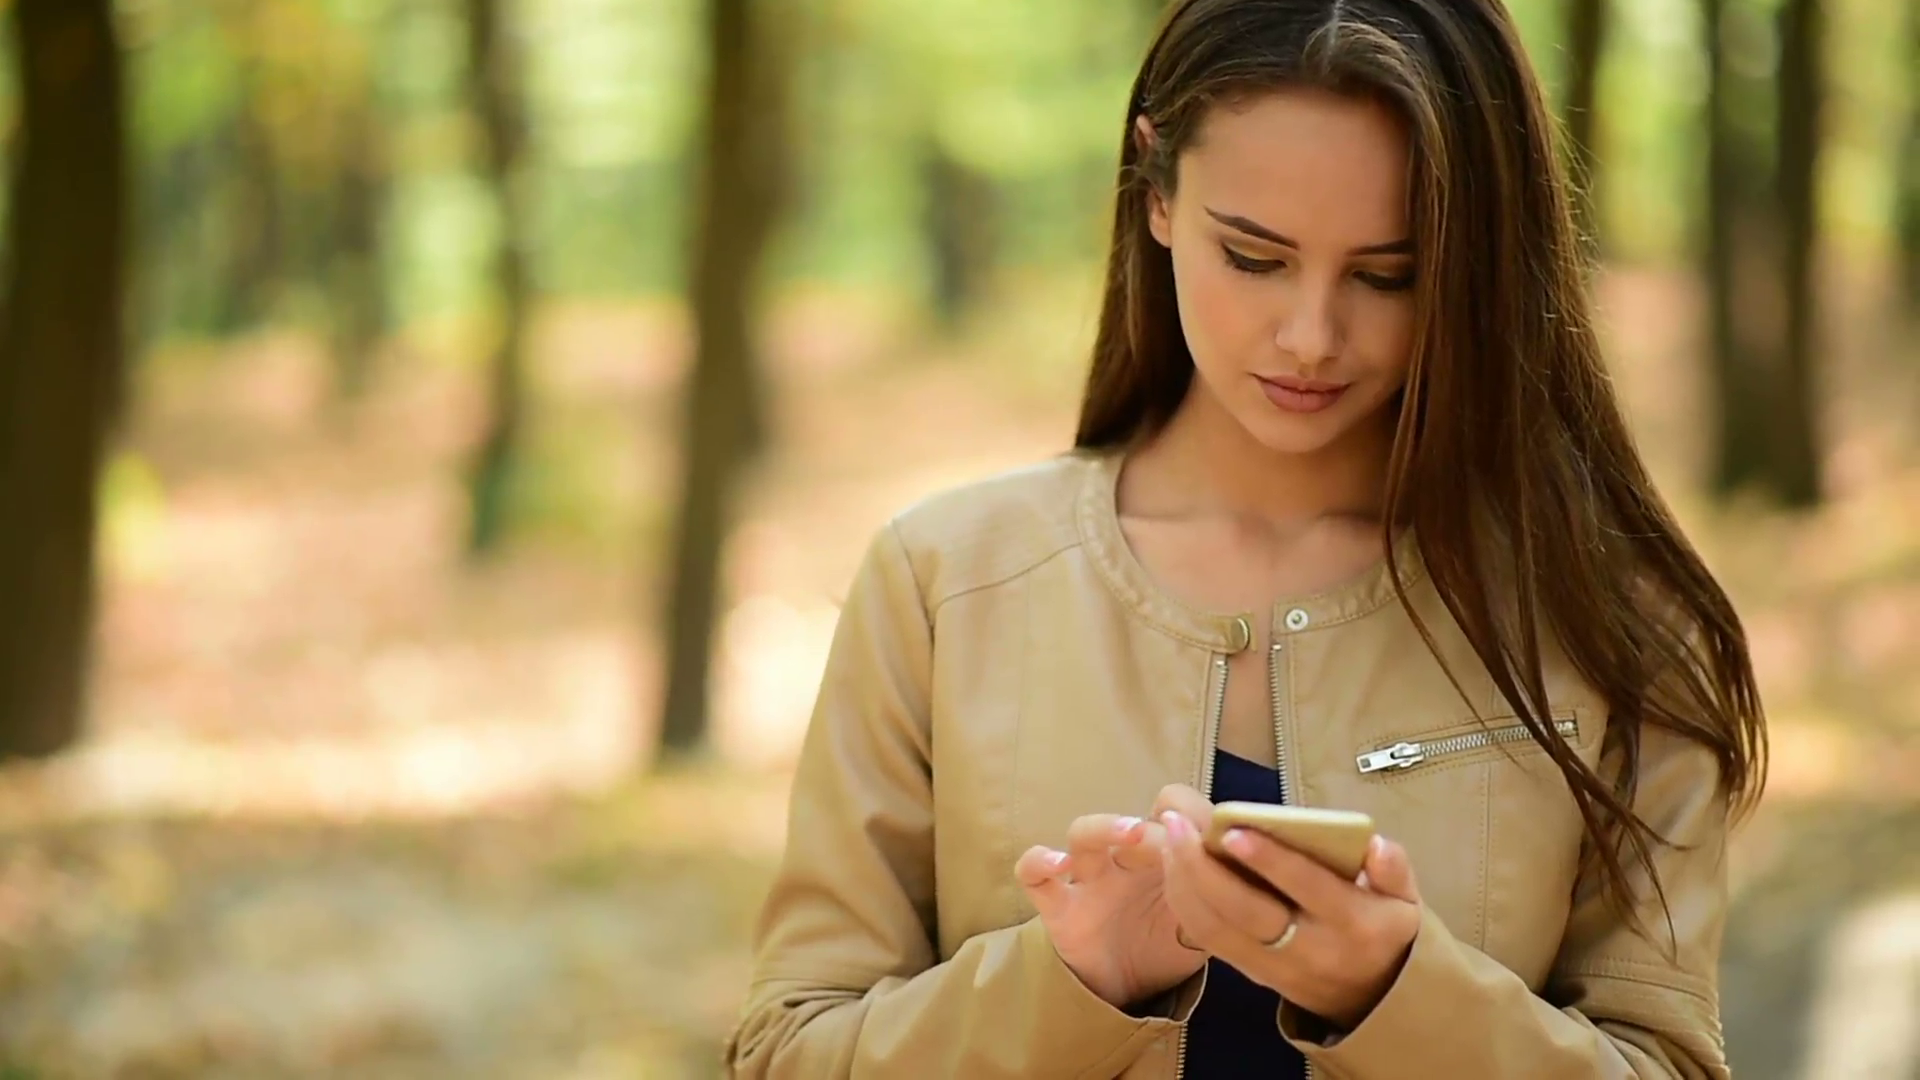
(1311, 327)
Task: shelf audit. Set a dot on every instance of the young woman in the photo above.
(1353, 520)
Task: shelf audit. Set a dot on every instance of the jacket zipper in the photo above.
(1273, 710)
(1279, 745)
(1206, 772)
(1214, 715)
(1406, 755)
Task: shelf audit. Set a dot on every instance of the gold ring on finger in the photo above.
(1286, 936)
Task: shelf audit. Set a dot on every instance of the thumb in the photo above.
(1389, 872)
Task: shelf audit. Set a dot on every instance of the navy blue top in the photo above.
(1234, 1032)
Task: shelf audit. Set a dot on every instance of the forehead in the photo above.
(1308, 163)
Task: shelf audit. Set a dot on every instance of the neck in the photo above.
(1206, 462)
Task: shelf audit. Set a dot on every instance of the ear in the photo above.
(1159, 217)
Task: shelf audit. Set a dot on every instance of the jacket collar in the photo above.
(1097, 514)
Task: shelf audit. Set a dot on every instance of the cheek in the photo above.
(1220, 309)
(1382, 332)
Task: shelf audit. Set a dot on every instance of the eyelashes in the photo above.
(1247, 264)
(1385, 283)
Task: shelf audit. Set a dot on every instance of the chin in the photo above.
(1296, 435)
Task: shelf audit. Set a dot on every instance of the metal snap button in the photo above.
(1297, 619)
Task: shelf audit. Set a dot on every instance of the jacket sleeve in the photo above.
(847, 981)
(1618, 1004)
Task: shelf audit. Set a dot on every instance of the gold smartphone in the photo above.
(1336, 839)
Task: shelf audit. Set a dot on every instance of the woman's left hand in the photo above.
(1350, 941)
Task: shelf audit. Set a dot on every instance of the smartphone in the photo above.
(1336, 839)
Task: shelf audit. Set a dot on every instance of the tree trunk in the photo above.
(494, 70)
(60, 359)
(178, 292)
(742, 188)
(1909, 178)
(1740, 449)
(1587, 25)
(960, 229)
(1796, 442)
(358, 283)
(256, 259)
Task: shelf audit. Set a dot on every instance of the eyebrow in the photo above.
(1261, 232)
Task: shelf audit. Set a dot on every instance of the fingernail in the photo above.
(1126, 824)
(1239, 842)
(1057, 859)
(1176, 825)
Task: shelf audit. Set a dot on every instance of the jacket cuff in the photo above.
(1406, 1031)
(1091, 1030)
(1176, 1004)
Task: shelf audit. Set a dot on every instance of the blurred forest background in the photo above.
(434, 435)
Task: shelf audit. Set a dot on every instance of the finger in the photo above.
(1144, 855)
(1250, 908)
(1041, 872)
(1103, 830)
(1181, 939)
(1309, 885)
(1200, 926)
(1389, 872)
(1239, 896)
(1091, 840)
(1246, 939)
(1039, 866)
(1186, 802)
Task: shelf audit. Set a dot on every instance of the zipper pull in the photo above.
(1398, 756)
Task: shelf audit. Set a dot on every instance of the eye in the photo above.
(1385, 282)
(1247, 264)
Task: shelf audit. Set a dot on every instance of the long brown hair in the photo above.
(1512, 461)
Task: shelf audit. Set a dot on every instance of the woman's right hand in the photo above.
(1103, 904)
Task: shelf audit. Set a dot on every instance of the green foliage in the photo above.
(1651, 149)
(182, 77)
(1014, 88)
(445, 223)
(1026, 93)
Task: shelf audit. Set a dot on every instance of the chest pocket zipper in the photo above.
(1402, 756)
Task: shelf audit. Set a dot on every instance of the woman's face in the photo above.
(1293, 261)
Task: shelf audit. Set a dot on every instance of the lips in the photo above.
(1301, 395)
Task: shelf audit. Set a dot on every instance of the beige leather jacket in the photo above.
(1003, 665)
